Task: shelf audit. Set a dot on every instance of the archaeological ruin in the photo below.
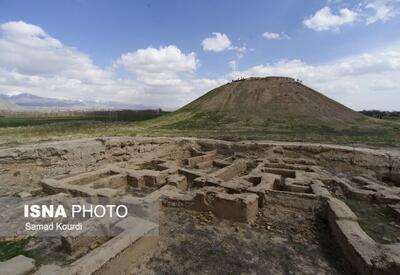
(273, 189)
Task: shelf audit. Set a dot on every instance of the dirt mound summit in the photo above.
(276, 108)
(272, 98)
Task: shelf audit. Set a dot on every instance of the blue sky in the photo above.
(170, 52)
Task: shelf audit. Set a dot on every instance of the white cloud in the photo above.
(29, 50)
(217, 43)
(275, 36)
(383, 10)
(238, 49)
(361, 81)
(220, 42)
(366, 11)
(324, 19)
(158, 66)
(33, 61)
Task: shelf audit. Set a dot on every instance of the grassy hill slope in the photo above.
(272, 108)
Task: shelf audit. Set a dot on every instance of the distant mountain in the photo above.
(30, 101)
(7, 106)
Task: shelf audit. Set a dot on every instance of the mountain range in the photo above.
(29, 101)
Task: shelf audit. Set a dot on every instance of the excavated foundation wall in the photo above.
(385, 163)
(26, 165)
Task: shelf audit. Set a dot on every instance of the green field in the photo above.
(386, 133)
(34, 121)
(88, 117)
(41, 127)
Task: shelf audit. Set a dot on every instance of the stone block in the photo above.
(241, 207)
(237, 168)
(179, 181)
(338, 210)
(358, 248)
(208, 156)
(19, 265)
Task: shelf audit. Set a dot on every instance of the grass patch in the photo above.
(376, 220)
(208, 125)
(10, 249)
(211, 121)
(81, 117)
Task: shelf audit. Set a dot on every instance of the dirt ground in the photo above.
(288, 243)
